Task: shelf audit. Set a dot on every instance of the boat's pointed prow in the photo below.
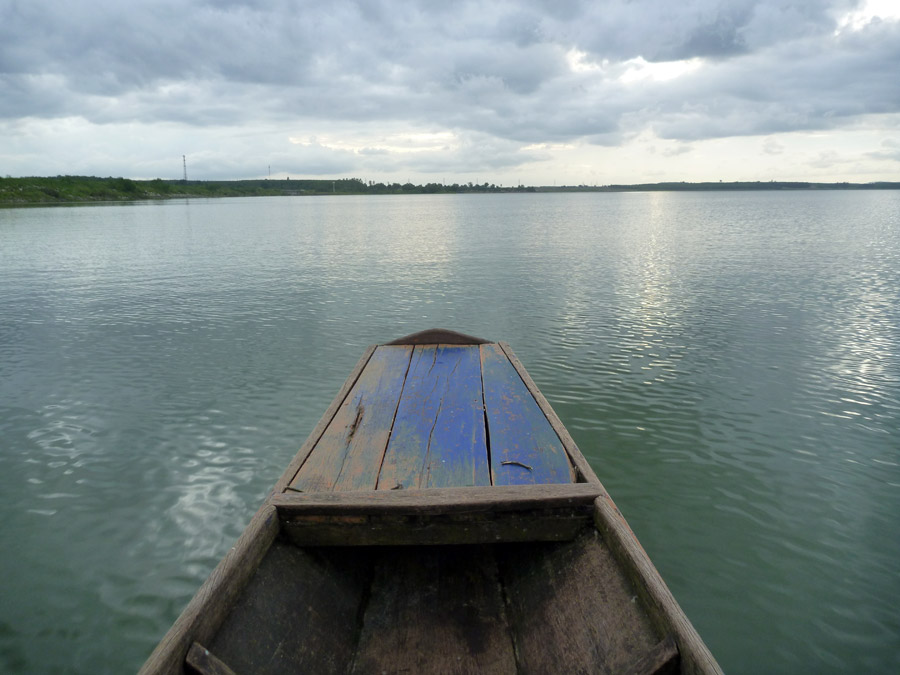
(438, 336)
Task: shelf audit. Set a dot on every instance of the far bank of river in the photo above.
(75, 189)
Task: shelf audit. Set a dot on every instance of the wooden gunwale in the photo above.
(584, 471)
(291, 471)
(667, 615)
(206, 611)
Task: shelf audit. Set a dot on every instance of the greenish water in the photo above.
(729, 363)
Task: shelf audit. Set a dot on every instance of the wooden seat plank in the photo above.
(439, 501)
(523, 445)
(348, 456)
(469, 515)
(438, 439)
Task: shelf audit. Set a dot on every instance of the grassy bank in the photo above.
(90, 189)
(68, 189)
(62, 189)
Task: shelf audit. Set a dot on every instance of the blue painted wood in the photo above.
(524, 447)
(438, 438)
(349, 454)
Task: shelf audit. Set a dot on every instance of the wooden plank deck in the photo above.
(524, 447)
(434, 416)
(438, 439)
(348, 455)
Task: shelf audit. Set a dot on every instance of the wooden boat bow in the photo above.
(439, 518)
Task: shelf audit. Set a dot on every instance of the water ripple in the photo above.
(729, 363)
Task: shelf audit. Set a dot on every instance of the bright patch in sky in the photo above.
(640, 70)
(579, 63)
(632, 70)
(399, 143)
(871, 10)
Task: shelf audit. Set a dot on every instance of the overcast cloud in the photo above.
(593, 91)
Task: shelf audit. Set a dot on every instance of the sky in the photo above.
(562, 92)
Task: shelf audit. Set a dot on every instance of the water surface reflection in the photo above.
(728, 362)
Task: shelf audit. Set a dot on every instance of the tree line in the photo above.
(62, 189)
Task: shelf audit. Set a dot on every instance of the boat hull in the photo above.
(335, 575)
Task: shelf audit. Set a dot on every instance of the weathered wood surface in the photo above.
(477, 515)
(571, 609)
(299, 614)
(438, 415)
(435, 610)
(206, 663)
(382, 530)
(583, 470)
(313, 438)
(438, 439)
(524, 447)
(348, 456)
(664, 610)
(201, 619)
(439, 500)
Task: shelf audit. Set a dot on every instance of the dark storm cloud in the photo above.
(661, 30)
(502, 70)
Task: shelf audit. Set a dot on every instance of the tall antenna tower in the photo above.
(184, 162)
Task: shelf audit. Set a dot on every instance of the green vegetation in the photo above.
(89, 189)
(721, 186)
(62, 189)
(356, 186)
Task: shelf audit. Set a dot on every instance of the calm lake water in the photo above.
(729, 363)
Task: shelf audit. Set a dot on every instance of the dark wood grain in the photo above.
(553, 512)
(435, 610)
(386, 530)
(524, 447)
(438, 439)
(349, 453)
(571, 609)
(299, 614)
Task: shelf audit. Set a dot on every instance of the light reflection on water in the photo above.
(728, 362)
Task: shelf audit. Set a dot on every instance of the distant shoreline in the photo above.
(81, 189)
